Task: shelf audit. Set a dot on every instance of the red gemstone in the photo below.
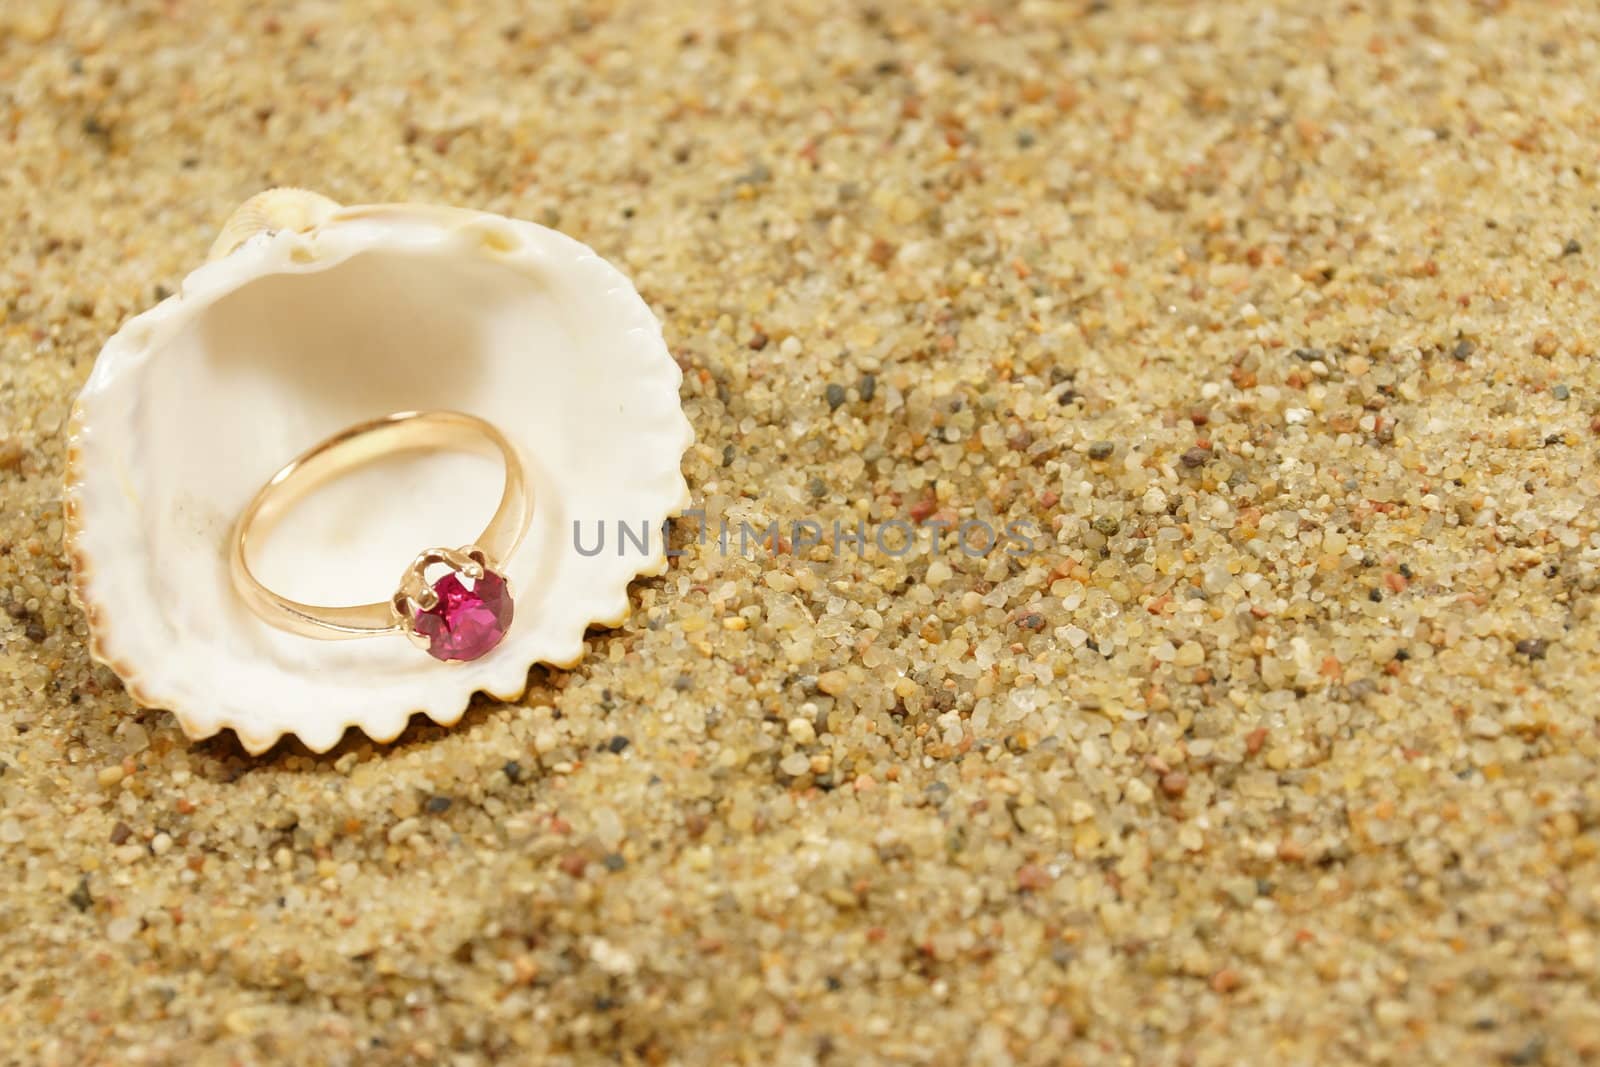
(466, 623)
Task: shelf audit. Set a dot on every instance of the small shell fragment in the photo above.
(276, 209)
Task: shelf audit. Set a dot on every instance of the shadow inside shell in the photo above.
(380, 332)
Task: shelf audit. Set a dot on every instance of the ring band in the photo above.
(445, 617)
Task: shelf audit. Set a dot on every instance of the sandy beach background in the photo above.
(1275, 323)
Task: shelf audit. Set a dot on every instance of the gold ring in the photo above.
(445, 617)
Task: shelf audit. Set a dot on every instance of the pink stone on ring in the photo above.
(447, 619)
(465, 623)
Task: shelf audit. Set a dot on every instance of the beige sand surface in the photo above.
(1277, 323)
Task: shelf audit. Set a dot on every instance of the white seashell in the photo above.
(316, 317)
